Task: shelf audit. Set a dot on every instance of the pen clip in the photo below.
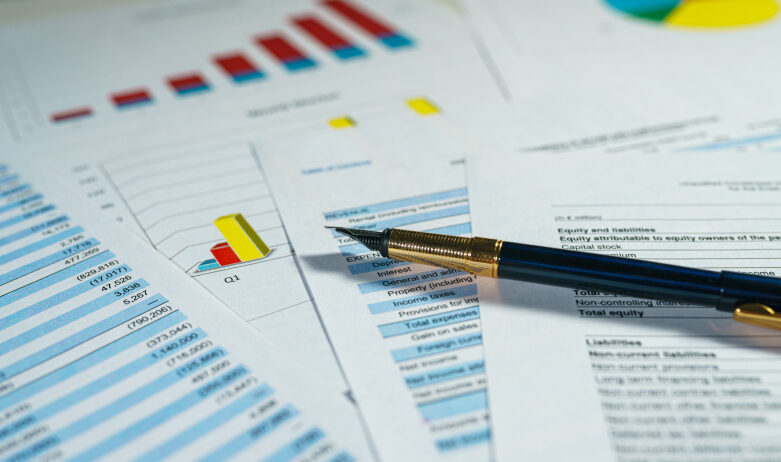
(757, 314)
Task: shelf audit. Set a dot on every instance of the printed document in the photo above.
(587, 374)
(408, 336)
(108, 352)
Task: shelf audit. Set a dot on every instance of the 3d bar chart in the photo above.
(328, 37)
(242, 243)
(285, 52)
(188, 84)
(334, 28)
(131, 98)
(238, 67)
(363, 20)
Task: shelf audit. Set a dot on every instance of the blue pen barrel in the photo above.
(624, 276)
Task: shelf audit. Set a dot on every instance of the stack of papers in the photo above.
(169, 289)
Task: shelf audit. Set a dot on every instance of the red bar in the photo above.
(71, 114)
(359, 18)
(187, 82)
(280, 47)
(131, 96)
(235, 64)
(321, 32)
(224, 254)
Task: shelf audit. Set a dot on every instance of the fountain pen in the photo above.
(751, 299)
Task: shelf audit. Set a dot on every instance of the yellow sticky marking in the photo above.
(721, 13)
(422, 106)
(341, 122)
(241, 237)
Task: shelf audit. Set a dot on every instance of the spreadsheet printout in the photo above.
(625, 377)
(409, 330)
(106, 345)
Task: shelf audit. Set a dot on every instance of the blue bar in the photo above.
(353, 249)
(205, 426)
(430, 322)
(58, 298)
(208, 264)
(25, 216)
(32, 230)
(253, 75)
(462, 441)
(14, 190)
(108, 380)
(47, 260)
(453, 230)
(134, 104)
(349, 52)
(20, 202)
(194, 89)
(54, 278)
(10, 256)
(440, 346)
(69, 317)
(342, 457)
(395, 204)
(252, 435)
(424, 298)
(298, 64)
(158, 418)
(445, 374)
(408, 280)
(448, 407)
(418, 218)
(78, 338)
(375, 265)
(412, 219)
(8, 178)
(396, 41)
(297, 446)
(93, 358)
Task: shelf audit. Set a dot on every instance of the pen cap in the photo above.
(740, 288)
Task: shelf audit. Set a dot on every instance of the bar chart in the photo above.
(242, 243)
(289, 56)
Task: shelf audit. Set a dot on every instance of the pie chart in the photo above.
(699, 13)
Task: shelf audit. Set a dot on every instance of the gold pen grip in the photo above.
(475, 255)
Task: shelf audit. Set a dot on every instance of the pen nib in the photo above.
(371, 239)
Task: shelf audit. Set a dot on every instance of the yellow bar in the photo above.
(241, 237)
(422, 106)
(341, 122)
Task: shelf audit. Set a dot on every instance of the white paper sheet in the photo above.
(579, 374)
(109, 352)
(595, 48)
(407, 336)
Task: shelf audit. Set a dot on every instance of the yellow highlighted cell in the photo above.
(721, 13)
(341, 122)
(422, 106)
(241, 237)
